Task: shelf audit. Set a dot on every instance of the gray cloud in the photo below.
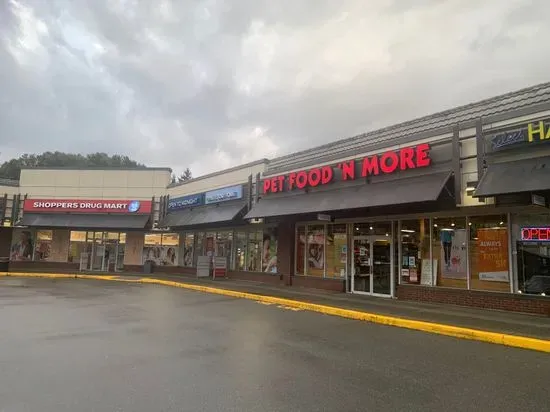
(212, 83)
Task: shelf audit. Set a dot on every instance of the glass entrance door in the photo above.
(372, 263)
(98, 252)
(381, 266)
(362, 265)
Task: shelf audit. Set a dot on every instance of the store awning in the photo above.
(203, 215)
(83, 221)
(410, 190)
(528, 175)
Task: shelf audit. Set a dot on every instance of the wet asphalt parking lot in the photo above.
(86, 345)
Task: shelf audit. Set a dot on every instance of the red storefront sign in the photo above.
(535, 234)
(383, 163)
(87, 206)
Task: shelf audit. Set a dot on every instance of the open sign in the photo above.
(535, 234)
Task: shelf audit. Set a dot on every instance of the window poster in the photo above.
(161, 255)
(492, 246)
(269, 250)
(22, 245)
(316, 248)
(453, 253)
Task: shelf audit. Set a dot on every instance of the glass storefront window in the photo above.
(449, 249)
(199, 246)
(489, 265)
(188, 248)
(43, 246)
(152, 239)
(269, 250)
(240, 250)
(170, 239)
(532, 263)
(224, 241)
(315, 250)
(77, 245)
(415, 267)
(336, 251)
(255, 251)
(300, 250)
(210, 243)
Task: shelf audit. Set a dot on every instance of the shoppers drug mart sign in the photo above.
(87, 206)
(378, 164)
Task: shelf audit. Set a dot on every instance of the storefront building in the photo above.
(450, 208)
(203, 231)
(85, 219)
(9, 201)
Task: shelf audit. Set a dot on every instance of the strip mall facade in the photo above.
(450, 208)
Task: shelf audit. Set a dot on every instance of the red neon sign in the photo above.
(383, 163)
(87, 206)
(535, 234)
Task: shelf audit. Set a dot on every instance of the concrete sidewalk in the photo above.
(488, 320)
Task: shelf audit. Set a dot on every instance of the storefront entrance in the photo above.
(372, 265)
(104, 252)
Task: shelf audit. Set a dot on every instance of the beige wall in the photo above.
(9, 190)
(134, 248)
(214, 181)
(94, 184)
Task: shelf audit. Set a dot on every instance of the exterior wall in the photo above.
(218, 180)
(486, 300)
(139, 184)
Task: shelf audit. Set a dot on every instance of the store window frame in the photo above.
(511, 273)
(232, 264)
(306, 225)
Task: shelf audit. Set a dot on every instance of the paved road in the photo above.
(77, 345)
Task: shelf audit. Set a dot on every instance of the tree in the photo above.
(11, 169)
(185, 175)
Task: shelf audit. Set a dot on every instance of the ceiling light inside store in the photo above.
(452, 224)
(371, 228)
(469, 223)
(501, 223)
(356, 228)
(407, 231)
(387, 234)
(435, 224)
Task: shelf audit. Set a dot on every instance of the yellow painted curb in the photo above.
(437, 328)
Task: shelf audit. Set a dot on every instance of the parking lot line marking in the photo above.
(516, 341)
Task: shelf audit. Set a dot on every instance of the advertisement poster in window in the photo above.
(188, 251)
(316, 249)
(22, 245)
(269, 250)
(453, 253)
(43, 245)
(210, 246)
(492, 246)
(161, 255)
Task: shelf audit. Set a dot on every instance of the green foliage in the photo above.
(186, 175)
(12, 168)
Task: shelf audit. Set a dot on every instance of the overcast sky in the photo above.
(211, 84)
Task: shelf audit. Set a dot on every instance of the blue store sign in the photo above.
(223, 195)
(185, 202)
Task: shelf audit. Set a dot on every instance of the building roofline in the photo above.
(132, 169)
(442, 115)
(220, 172)
(9, 182)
